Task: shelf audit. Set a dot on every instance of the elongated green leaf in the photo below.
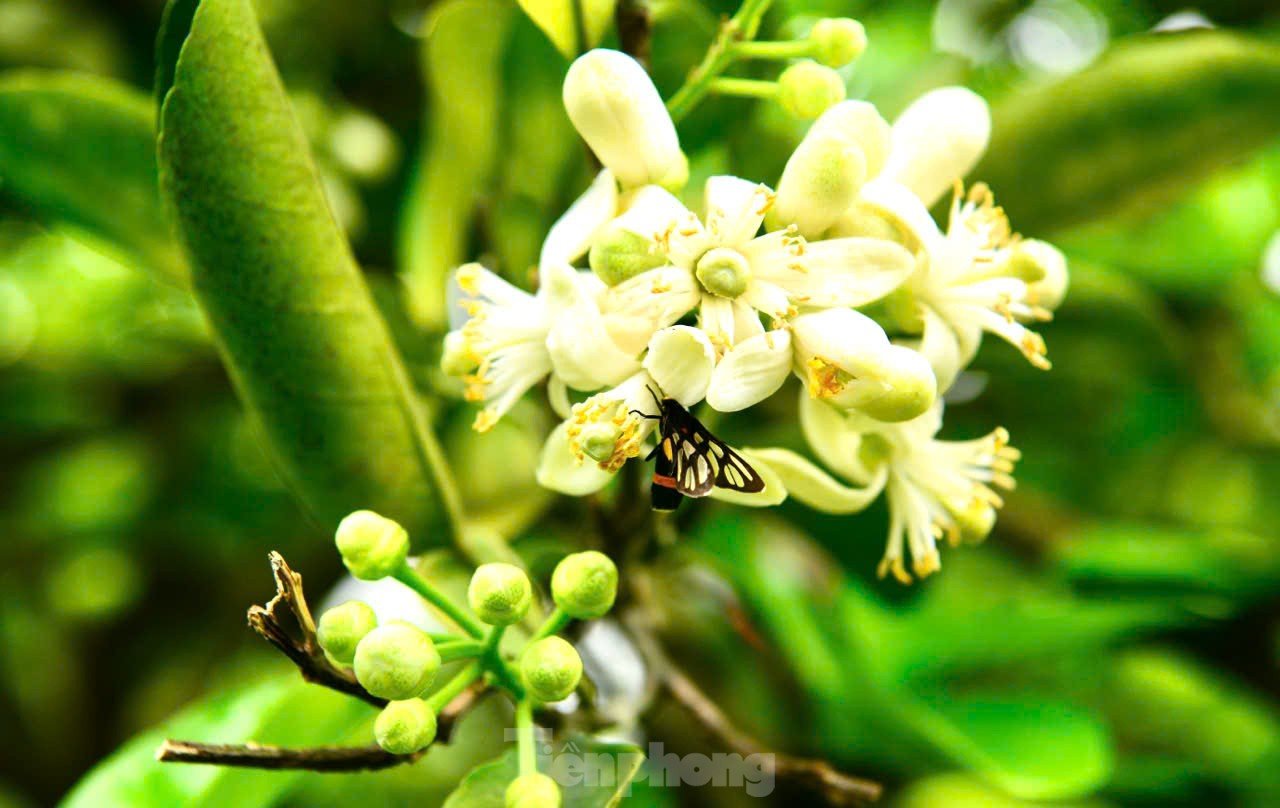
(307, 350)
(1134, 130)
(616, 765)
(81, 150)
(287, 712)
(462, 59)
(1033, 749)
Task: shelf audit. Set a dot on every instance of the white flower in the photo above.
(614, 106)
(718, 265)
(937, 140)
(512, 340)
(936, 489)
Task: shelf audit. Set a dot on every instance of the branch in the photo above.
(319, 758)
(305, 652)
(819, 776)
(635, 25)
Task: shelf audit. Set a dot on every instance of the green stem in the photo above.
(742, 27)
(745, 88)
(459, 650)
(553, 625)
(793, 49)
(437, 700)
(528, 752)
(437, 464)
(408, 576)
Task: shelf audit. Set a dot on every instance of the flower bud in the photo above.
(551, 668)
(396, 661)
(342, 628)
(533, 791)
(585, 584)
(372, 546)
(723, 272)
(620, 254)
(806, 89)
(500, 594)
(405, 727)
(842, 150)
(617, 110)
(837, 41)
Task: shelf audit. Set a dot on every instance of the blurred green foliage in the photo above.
(1115, 642)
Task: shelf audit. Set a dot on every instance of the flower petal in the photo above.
(680, 360)
(617, 110)
(560, 470)
(773, 493)
(832, 437)
(937, 140)
(582, 352)
(841, 272)
(940, 345)
(639, 306)
(572, 234)
(750, 372)
(734, 209)
(814, 487)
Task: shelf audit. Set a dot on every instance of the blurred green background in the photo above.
(1115, 641)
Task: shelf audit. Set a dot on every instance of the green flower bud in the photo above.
(533, 791)
(372, 546)
(585, 584)
(405, 727)
(806, 89)
(723, 272)
(342, 628)
(620, 254)
(551, 668)
(396, 661)
(500, 594)
(838, 41)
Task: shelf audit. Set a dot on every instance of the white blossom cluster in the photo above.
(723, 303)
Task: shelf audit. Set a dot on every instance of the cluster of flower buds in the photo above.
(399, 662)
(840, 277)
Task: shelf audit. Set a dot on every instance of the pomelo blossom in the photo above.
(936, 489)
(976, 276)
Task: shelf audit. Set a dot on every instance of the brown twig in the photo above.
(304, 652)
(635, 25)
(817, 775)
(319, 758)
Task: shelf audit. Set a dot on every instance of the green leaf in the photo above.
(462, 60)
(1033, 749)
(268, 712)
(81, 150)
(296, 325)
(1142, 125)
(487, 784)
(559, 20)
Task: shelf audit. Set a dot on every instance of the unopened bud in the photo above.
(585, 584)
(396, 661)
(806, 89)
(551, 668)
(837, 41)
(617, 110)
(533, 791)
(342, 628)
(372, 546)
(405, 727)
(500, 594)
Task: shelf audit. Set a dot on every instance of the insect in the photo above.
(689, 461)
